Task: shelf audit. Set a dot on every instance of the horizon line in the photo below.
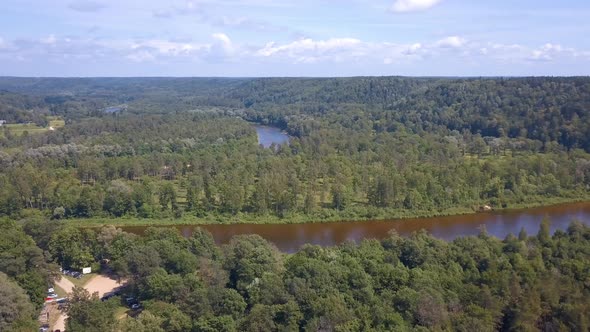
(308, 77)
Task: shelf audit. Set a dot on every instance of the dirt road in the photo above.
(60, 324)
(65, 284)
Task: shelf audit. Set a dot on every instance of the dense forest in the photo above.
(479, 283)
(185, 150)
(542, 108)
(360, 148)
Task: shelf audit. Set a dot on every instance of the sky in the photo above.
(254, 38)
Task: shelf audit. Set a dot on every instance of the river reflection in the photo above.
(291, 237)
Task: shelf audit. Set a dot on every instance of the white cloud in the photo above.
(186, 8)
(451, 42)
(49, 40)
(583, 54)
(243, 22)
(403, 6)
(413, 49)
(521, 53)
(218, 49)
(549, 51)
(309, 50)
(141, 56)
(223, 39)
(222, 48)
(150, 50)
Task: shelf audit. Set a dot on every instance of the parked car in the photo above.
(50, 290)
(44, 328)
(132, 303)
(52, 295)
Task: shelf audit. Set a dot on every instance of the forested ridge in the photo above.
(478, 283)
(542, 108)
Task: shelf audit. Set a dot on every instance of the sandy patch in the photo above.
(101, 284)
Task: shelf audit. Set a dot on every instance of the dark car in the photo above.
(107, 296)
(132, 303)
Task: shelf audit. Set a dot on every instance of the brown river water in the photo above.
(290, 237)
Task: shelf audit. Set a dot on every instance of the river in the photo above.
(290, 237)
(269, 135)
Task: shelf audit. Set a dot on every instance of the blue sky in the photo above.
(294, 38)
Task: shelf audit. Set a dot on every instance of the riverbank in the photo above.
(290, 237)
(324, 216)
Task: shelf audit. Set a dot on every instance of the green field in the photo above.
(18, 129)
(56, 122)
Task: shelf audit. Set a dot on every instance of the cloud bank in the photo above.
(221, 48)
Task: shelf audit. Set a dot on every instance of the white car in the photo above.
(50, 290)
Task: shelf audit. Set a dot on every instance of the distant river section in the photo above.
(268, 135)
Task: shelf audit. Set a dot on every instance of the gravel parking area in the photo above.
(98, 283)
